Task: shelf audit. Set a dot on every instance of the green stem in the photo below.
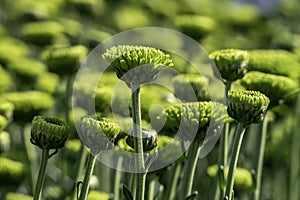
(117, 179)
(239, 134)
(88, 173)
(189, 168)
(138, 146)
(171, 189)
(69, 88)
(151, 188)
(294, 182)
(260, 147)
(79, 169)
(41, 176)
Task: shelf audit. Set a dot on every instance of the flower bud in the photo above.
(48, 132)
(98, 134)
(11, 171)
(247, 107)
(3, 122)
(125, 59)
(231, 63)
(149, 138)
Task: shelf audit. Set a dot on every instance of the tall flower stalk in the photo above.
(246, 107)
(137, 65)
(47, 133)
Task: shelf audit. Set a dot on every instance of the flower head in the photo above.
(149, 138)
(98, 134)
(125, 59)
(6, 109)
(11, 171)
(3, 122)
(247, 107)
(27, 104)
(279, 89)
(47, 82)
(49, 132)
(231, 63)
(6, 81)
(184, 84)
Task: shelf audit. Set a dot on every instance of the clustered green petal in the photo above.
(64, 60)
(247, 107)
(27, 104)
(231, 63)
(49, 132)
(98, 134)
(149, 138)
(189, 86)
(279, 89)
(242, 180)
(11, 171)
(124, 58)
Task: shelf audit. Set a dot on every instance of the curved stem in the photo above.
(261, 143)
(171, 189)
(138, 146)
(41, 176)
(189, 169)
(239, 134)
(88, 173)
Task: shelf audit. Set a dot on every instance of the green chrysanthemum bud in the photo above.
(125, 58)
(247, 107)
(279, 89)
(3, 122)
(4, 141)
(195, 26)
(5, 82)
(27, 68)
(184, 84)
(42, 33)
(96, 195)
(149, 138)
(49, 132)
(94, 37)
(6, 109)
(47, 82)
(17, 196)
(64, 60)
(27, 104)
(241, 15)
(274, 62)
(11, 171)
(242, 180)
(72, 149)
(98, 134)
(231, 63)
(12, 49)
(192, 116)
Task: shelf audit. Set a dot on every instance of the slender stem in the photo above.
(117, 179)
(151, 188)
(171, 189)
(260, 146)
(69, 88)
(138, 145)
(88, 173)
(189, 169)
(41, 176)
(79, 169)
(294, 182)
(239, 134)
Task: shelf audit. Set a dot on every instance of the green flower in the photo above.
(4, 141)
(195, 26)
(13, 172)
(277, 62)
(96, 195)
(125, 58)
(6, 81)
(6, 109)
(3, 122)
(149, 138)
(242, 180)
(49, 132)
(94, 37)
(47, 82)
(192, 116)
(279, 89)
(12, 49)
(197, 83)
(231, 63)
(98, 134)
(27, 104)
(43, 32)
(64, 60)
(27, 68)
(247, 107)
(17, 196)
(72, 149)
